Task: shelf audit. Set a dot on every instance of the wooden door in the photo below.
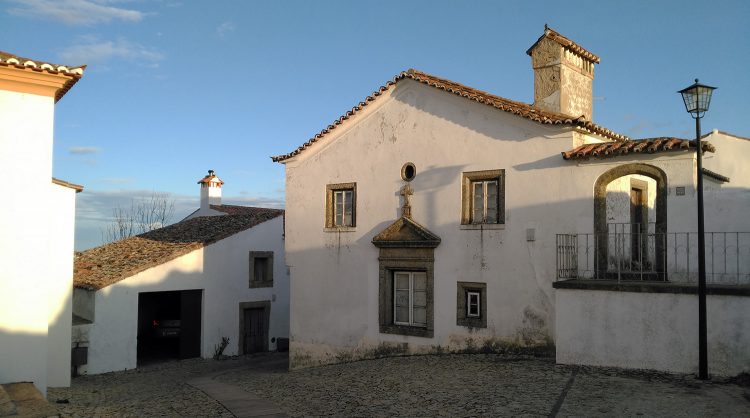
(190, 323)
(256, 330)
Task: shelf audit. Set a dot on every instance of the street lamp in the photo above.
(697, 98)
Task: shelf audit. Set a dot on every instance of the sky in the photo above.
(174, 88)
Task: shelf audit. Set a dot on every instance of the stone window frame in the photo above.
(466, 196)
(462, 318)
(268, 282)
(330, 205)
(407, 260)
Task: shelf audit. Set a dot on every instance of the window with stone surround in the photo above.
(483, 197)
(341, 205)
(261, 269)
(471, 304)
(410, 298)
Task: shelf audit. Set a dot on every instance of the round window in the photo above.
(408, 171)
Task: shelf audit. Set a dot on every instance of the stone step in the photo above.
(24, 400)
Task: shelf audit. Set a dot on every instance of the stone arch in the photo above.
(600, 210)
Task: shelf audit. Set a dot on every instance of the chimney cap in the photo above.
(565, 43)
(211, 178)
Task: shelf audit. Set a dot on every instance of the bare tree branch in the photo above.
(142, 216)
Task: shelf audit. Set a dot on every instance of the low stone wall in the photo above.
(639, 326)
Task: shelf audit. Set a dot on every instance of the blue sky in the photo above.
(176, 87)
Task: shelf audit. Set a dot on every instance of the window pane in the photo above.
(402, 298)
(339, 203)
(260, 266)
(477, 202)
(348, 208)
(402, 280)
(492, 202)
(472, 303)
(420, 316)
(402, 314)
(420, 281)
(420, 299)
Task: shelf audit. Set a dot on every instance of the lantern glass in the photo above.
(697, 98)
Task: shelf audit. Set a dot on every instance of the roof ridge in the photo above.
(524, 110)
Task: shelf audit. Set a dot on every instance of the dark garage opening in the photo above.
(169, 325)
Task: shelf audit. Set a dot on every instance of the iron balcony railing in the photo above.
(649, 256)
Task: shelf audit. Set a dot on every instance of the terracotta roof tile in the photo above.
(11, 60)
(716, 176)
(648, 145)
(102, 266)
(517, 108)
(566, 43)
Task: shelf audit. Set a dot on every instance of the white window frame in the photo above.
(411, 322)
(486, 185)
(340, 196)
(478, 296)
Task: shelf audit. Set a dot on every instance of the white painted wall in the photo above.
(33, 302)
(651, 331)
(334, 275)
(220, 269)
(60, 284)
(727, 203)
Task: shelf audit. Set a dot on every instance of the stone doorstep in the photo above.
(23, 399)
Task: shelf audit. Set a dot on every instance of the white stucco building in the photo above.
(37, 266)
(177, 291)
(434, 216)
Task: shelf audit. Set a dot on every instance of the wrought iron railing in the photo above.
(651, 256)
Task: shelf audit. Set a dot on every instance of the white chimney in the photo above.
(210, 190)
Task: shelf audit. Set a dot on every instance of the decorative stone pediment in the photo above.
(405, 233)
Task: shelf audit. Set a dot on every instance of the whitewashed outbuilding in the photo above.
(178, 291)
(36, 265)
(436, 217)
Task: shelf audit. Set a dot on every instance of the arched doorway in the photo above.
(633, 245)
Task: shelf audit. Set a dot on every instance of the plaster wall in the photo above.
(618, 199)
(334, 273)
(60, 284)
(220, 269)
(651, 331)
(727, 203)
(26, 156)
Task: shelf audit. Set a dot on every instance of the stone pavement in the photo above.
(448, 385)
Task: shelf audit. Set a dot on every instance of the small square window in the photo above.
(471, 304)
(261, 269)
(341, 205)
(483, 200)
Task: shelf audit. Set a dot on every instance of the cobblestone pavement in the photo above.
(449, 385)
(155, 390)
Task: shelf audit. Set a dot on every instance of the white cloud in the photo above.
(74, 12)
(225, 28)
(96, 51)
(83, 150)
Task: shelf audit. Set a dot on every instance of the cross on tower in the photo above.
(406, 191)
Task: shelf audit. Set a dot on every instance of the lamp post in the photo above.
(697, 98)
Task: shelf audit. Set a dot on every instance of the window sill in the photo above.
(481, 226)
(341, 229)
(472, 322)
(406, 330)
(255, 285)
